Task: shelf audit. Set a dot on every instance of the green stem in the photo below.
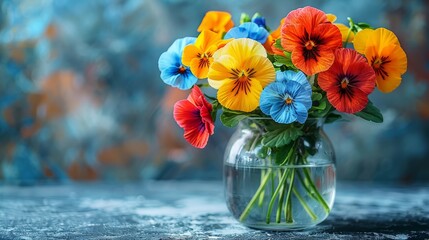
(273, 197)
(280, 203)
(347, 38)
(304, 204)
(255, 197)
(320, 199)
(305, 185)
(288, 208)
(261, 196)
(273, 182)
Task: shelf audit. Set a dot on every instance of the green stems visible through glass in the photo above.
(255, 197)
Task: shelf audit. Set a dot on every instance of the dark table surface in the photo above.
(196, 210)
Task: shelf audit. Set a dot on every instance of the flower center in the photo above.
(288, 100)
(204, 60)
(309, 45)
(377, 63)
(242, 77)
(243, 80)
(182, 69)
(344, 83)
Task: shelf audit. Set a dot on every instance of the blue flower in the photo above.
(288, 99)
(173, 72)
(248, 30)
(259, 20)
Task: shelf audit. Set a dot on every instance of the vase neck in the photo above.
(254, 125)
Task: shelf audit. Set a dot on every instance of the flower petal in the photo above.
(264, 70)
(361, 40)
(298, 77)
(301, 111)
(248, 30)
(331, 17)
(234, 98)
(200, 68)
(237, 32)
(216, 21)
(346, 33)
(168, 60)
(186, 114)
(348, 82)
(283, 113)
(190, 52)
(243, 48)
(178, 45)
(221, 68)
(272, 93)
(207, 39)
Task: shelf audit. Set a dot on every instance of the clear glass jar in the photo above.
(263, 194)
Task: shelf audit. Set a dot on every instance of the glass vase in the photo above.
(264, 193)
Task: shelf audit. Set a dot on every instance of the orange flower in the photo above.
(218, 22)
(274, 35)
(384, 53)
(311, 38)
(199, 56)
(347, 34)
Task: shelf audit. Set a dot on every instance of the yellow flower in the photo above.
(346, 33)
(382, 50)
(215, 21)
(240, 71)
(199, 56)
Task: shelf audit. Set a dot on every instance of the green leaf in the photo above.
(363, 25)
(316, 96)
(271, 58)
(321, 106)
(283, 60)
(332, 117)
(281, 137)
(371, 113)
(278, 64)
(231, 118)
(216, 106)
(283, 154)
(263, 152)
(278, 44)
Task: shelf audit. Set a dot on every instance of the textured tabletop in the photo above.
(196, 210)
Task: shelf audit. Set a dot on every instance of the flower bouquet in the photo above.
(280, 85)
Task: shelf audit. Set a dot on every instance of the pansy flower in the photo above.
(194, 116)
(311, 39)
(216, 21)
(288, 99)
(173, 72)
(248, 30)
(199, 56)
(348, 82)
(240, 71)
(382, 49)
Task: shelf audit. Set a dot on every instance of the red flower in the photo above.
(348, 82)
(194, 116)
(311, 38)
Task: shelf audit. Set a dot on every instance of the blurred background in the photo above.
(81, 98)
